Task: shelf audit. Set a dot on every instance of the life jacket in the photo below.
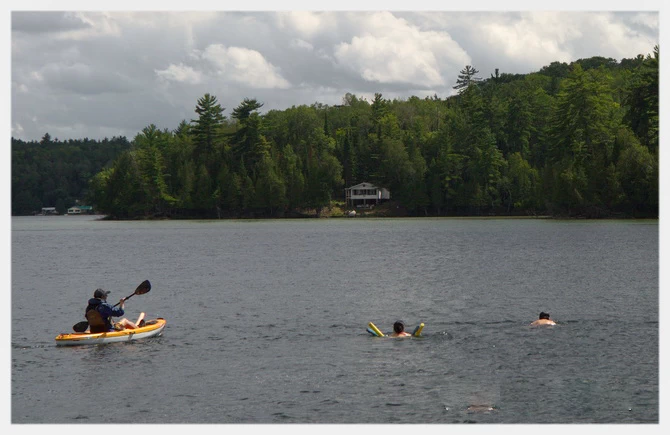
(95, 321)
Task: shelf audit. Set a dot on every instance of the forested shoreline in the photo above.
(571, 140)
(53, 173)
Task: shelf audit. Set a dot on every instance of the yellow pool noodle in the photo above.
(417, 331)
(374, 328)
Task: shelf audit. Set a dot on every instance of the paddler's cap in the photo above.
(100, 293)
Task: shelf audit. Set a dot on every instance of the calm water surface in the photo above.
(266, 321)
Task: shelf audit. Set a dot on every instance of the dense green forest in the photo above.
(577, 139)
(51, 173)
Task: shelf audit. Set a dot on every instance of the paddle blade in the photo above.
(143, 288)
(80, 327)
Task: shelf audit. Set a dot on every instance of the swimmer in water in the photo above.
(399, 330)
(543, 320)
(480, 408)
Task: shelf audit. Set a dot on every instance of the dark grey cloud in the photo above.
(46, 22)
(85, 80)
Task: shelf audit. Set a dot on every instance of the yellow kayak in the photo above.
(152, 328)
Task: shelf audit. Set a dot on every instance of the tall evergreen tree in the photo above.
(207, 129)
(466, 78)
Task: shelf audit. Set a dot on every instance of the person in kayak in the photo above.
(399, 330)
(99, 314)
(543, 320)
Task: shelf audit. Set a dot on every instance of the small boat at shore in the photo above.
(151, 328)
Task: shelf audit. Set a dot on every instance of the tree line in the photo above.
(577, 139)
(54, 173)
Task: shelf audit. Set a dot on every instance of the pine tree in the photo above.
(207, 128)
(466, 78)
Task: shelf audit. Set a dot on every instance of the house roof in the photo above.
(364, 185)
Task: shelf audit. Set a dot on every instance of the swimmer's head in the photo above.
(544, 315)
(398, 326)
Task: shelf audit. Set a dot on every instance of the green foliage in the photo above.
(51, 173)
(246, 139)
(207, 131)
(294, 177)
(642, 100)
(584, 128)
(637, 171)
(151, 145)
(556, 70)
(270, 188)
(520, 184)
(121, 190)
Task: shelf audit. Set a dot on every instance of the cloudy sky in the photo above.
(108, 73)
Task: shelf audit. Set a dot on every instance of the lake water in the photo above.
(267, 318)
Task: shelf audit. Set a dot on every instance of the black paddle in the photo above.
(141, 289)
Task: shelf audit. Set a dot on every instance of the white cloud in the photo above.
(180, 73)
(527, 41)
(301, 44)
(17, 130)
(245, 66)
(305, 23)
(37, 76)
(538, 36)
(97, 24)
(393, 51)
(647, 20)
(610, 35)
